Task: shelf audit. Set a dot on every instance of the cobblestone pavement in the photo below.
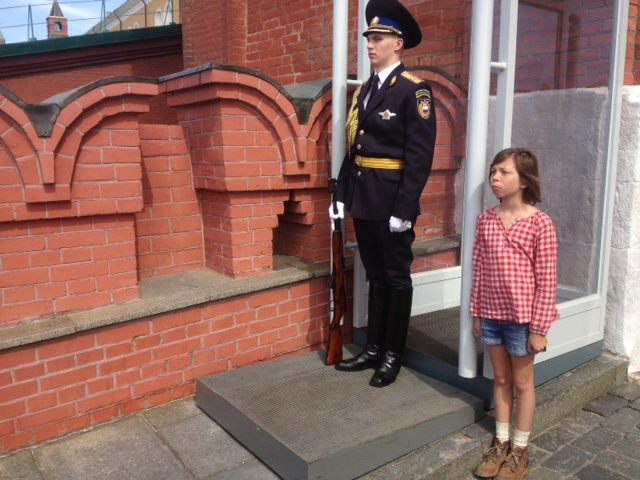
(602, 442)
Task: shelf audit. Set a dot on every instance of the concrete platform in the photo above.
(309, 421)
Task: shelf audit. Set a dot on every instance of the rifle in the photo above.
(337, 282)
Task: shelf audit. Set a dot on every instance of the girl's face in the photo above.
(505, 180)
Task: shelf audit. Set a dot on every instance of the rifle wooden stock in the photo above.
(339, 306)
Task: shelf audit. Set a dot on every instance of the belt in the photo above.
(381, 163)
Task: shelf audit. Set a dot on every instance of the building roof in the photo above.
(56, 11)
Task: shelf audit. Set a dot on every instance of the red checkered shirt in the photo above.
(514, 271)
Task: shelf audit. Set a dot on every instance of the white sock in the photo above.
(502, 431)
(520, 439)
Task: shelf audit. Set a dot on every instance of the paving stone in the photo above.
(20, 465)
(629, 391)
(204, 447)
(596, 440)
(628, 446)
(483, 430)
(544, 474)
(537, 455)
(606, 405)
(126, 449)
(619, 464)
(253, 470)
(595, 472)
(568, 460)
(623, 420)
(173, 412)
(636, 405)
(554, 438)
(582, 422)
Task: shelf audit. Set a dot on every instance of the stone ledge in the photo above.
(168, 293)
(161, 295)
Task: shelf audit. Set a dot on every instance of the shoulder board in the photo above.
(411, 77)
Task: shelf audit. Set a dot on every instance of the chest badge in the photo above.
(386, 115)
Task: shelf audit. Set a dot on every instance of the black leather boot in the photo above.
(370, 356)
(397, 327)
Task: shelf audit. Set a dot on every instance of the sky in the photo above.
(81, 16)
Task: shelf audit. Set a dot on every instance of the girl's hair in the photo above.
(526, 164)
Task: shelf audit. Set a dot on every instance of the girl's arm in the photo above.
(546, 279)
(476, 287)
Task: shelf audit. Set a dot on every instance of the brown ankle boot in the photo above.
(516, 466)
(493, 459)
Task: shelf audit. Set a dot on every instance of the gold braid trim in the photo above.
(353, 119)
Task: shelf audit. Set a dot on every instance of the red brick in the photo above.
(14, 392)
(60, 364)
(11, 411)
(19, 295)
(157, 384)
(122, 364)
(45, 416)
(105, 415)
(77, 375)
(42, 402)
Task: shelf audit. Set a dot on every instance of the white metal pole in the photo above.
(475, 168)
(506, 76)
(339, 84)
(617, 66)
(364, 63)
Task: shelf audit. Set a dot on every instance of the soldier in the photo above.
(391, 130)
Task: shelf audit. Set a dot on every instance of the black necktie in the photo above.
(373, 87)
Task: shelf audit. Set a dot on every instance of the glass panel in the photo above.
(560, 112)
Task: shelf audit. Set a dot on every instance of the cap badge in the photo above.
(375, 21)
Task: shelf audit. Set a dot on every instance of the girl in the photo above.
(513, 302)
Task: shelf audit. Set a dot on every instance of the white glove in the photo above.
(397, 225)
(340, 214)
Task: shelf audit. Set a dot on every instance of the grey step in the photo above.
(309, 421)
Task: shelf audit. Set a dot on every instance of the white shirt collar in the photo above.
(383, 74)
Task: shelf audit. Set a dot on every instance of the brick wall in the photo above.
(60, 386)
(37, 76)
(293, 45)
(169, 228)
(105, 201)
(560, 44)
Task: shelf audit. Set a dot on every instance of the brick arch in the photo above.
(20, 141)
(268, 102)
(46, 162)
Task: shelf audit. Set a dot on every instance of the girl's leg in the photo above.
(522, 368)
(502, 383)
(495, 457)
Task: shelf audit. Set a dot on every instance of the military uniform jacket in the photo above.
(398, 123)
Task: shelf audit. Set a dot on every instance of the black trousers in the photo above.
(386, 255)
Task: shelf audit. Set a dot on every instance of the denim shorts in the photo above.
(515, 336)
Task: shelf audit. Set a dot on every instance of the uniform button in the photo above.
(359, 147)
(361, 132)
(359, 172)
